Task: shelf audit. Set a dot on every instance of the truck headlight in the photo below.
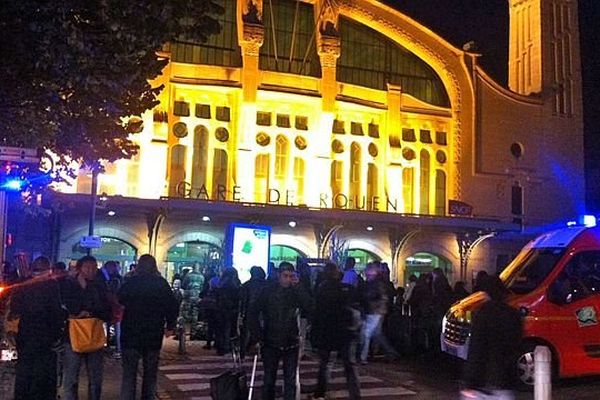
(444, 321)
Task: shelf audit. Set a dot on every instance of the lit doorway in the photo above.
(362, 258)
(113, 249)
(280, 253)
(423, 263)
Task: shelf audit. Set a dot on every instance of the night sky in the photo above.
(486, 22)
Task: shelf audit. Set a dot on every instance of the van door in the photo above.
(573, 313)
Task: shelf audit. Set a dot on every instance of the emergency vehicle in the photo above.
(555, 283)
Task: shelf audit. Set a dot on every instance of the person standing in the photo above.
(84, 297)
(375, 301)
(336, 327)
(350, 275)
(249, 294)
(278, 309)
(110, 276)
(227, 296)
(36, 303)
(496, 335)
(192, 285)
(149, 306)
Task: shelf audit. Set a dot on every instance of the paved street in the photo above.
(188, 378)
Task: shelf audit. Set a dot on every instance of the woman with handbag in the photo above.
(87, 303)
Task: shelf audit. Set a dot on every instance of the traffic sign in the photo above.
(19, 154)
(91, 242)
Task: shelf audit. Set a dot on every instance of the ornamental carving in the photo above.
(329, 51)
(252, 11)
(328, 18)
(252, 39)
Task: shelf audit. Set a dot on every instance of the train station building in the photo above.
(352, 131)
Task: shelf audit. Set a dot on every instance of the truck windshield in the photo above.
(529, 270)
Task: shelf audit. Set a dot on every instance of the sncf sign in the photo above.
(456, 207)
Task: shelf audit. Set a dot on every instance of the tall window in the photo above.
(133, 176)
(299, 178)
(219, 174)
(291, 46)
(177, 173)
(355, 170)
(261, 178)
(200, 157)
(440, 192)
(408, 184)
(372, 184)
(219, 49)
(369, 58)
(336, 179)
(424, 189)
(282, 149)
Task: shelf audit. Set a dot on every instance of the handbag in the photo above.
(87, 334)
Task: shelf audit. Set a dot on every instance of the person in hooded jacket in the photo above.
(249, 294)
(227, 296)
(336, 327)
(150, 312)
(496, 334)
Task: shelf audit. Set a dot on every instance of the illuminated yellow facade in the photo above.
(351, 105)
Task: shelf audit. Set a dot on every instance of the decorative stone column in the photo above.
(251, 38)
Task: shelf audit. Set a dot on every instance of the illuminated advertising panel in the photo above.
(249, 246)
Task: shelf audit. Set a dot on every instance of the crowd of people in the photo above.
(351, 313)
(44, 303)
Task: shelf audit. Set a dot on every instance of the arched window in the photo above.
(177, 174)
(261, 178)
(200, 157)
(440, 192)
(424, 187)
(372, 184)
(369, 58)
(355, 171)
(289, 44)
(299, 179)
(408, 184)
(424, 263)
(282, 150)
(113, 249)
(219, 186)
(280, 253)
(186, 254)
(362, 257)
(336, 179)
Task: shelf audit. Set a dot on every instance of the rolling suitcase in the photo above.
(233, 384)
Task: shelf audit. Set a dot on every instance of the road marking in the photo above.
(343, 394)
(189, 387)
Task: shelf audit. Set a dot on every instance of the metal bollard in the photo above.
(542, 373)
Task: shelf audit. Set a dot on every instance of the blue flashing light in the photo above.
(588, 220)
(13, 185)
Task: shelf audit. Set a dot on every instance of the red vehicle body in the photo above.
(555, 283)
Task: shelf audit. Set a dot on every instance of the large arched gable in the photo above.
(446, 60)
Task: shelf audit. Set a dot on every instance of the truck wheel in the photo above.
(525, 366)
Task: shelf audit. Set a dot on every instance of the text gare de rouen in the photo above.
(288, 198)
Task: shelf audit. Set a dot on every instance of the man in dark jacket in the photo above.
(278, 310)
(335, 327)
(149, 305)
(41, 321)
(494, 345)
(249, 294)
